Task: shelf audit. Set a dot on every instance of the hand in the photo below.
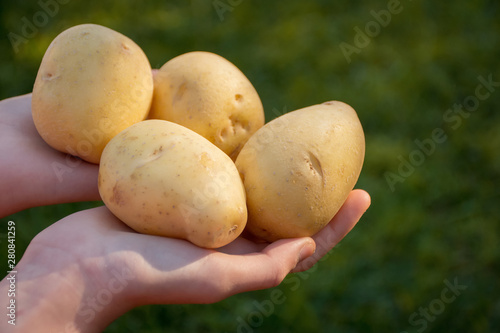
(33, 173)
(93, 268)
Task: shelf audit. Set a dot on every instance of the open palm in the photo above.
(106, 260)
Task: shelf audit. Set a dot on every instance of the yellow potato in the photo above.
(161, 178)
(299, 169)
(208, 94)
(93, 83)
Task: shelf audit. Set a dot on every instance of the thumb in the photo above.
(283, 256)
(289, 252)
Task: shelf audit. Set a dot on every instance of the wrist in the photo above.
(63, 298)
(38, 297)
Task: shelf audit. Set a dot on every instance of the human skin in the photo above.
(33, 174)
(93, 268)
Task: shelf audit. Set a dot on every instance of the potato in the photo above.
(161, 178)
(93, 83)
(208, 94)
(299, 169)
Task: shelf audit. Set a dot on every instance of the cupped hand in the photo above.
(101, 258)
(33, 173)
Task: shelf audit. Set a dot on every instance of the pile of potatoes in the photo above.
(185, 153)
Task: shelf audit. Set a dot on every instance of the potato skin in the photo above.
(92, 83)
(209, 95)
(299, 169)
(161, 178)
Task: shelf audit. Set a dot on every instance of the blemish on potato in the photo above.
(48, 77)
(206, 161)
(232, 229)
(314, 164)
(180, 92)
(223, 134)
(117, 196)
(158, 150)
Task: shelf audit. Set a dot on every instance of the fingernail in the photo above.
(307, 250)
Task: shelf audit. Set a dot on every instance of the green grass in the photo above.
(440, 223)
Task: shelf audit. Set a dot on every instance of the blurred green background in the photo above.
(406, 67)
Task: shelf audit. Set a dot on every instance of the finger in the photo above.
(262, 270)
(228, 275)
(348, 216)
(204, 276)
